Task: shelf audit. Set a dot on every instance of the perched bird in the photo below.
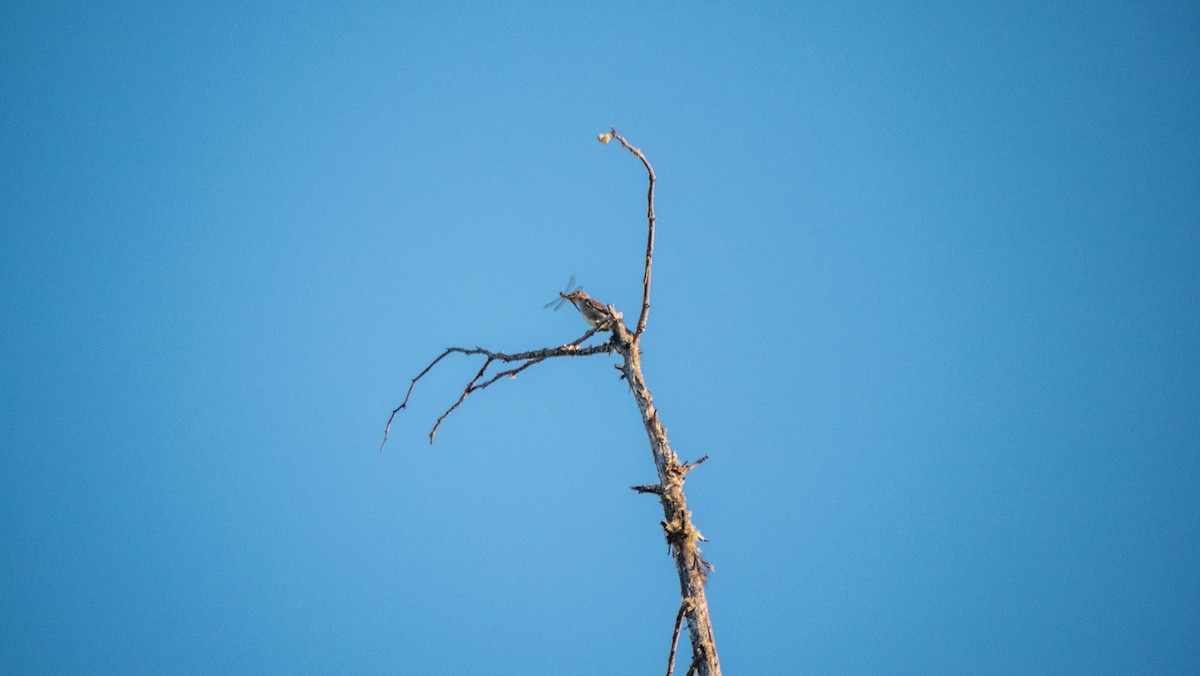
(593, 312)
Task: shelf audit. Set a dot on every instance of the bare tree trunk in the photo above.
(677, 520)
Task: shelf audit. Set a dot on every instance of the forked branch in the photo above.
(530, 358)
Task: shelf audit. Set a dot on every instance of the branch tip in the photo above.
(641, 325)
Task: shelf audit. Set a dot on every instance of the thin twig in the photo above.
(641, 325)
(462, 397)
(675, 637)
(530, 358)
(411, 385)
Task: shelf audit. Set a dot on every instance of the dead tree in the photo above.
(681, 535)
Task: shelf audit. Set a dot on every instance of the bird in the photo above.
(593, 312)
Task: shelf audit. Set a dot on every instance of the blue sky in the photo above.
(925, 291)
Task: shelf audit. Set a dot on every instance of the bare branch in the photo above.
(641, 325)
(689, 466)
(681, 534)
(404, 404)
(530, 358)
(466, 391)
(648, 488)
(675, 637)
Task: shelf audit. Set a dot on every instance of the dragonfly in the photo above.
(562, 297)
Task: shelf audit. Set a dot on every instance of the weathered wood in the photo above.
(681, 534)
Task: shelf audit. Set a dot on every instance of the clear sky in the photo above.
(926, 292)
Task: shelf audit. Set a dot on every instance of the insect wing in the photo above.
(560, 301)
